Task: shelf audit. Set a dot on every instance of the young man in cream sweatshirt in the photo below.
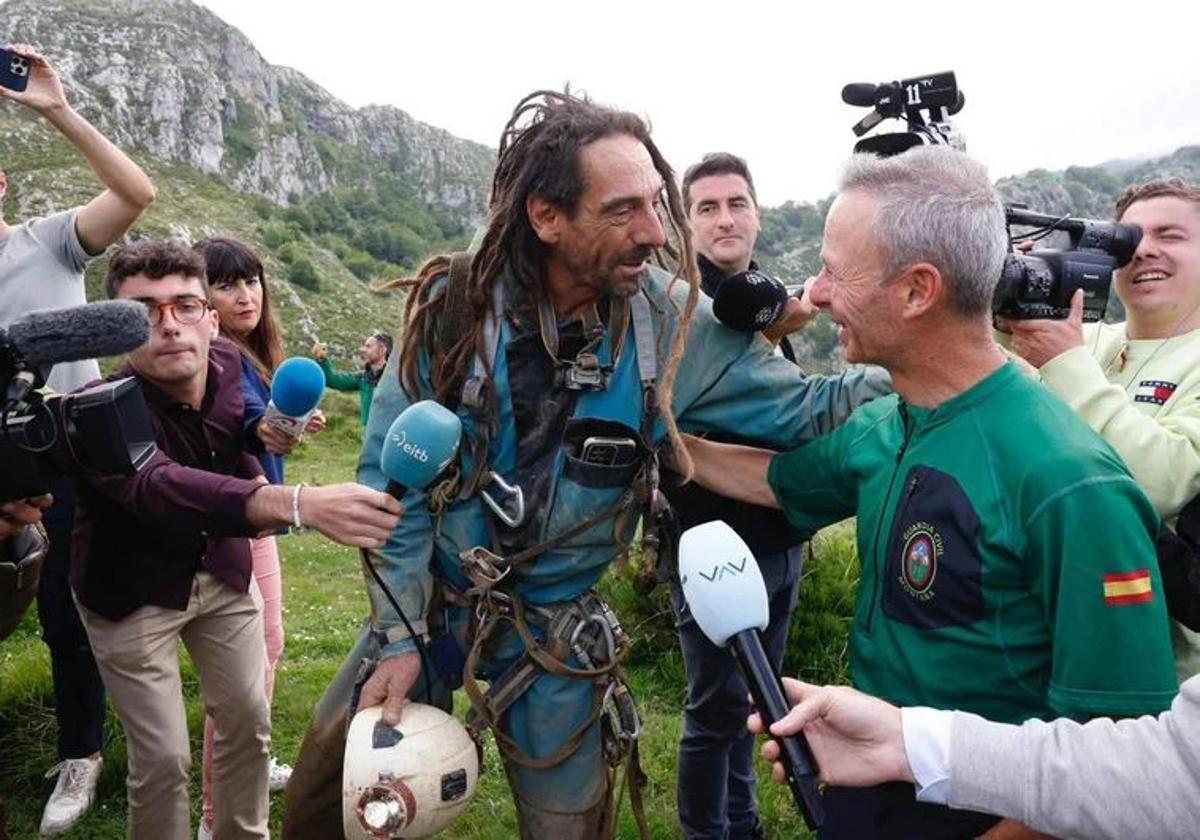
(1137, 383)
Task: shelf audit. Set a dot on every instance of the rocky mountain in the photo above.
(1091, 191)
(334, 198)
(170, 77)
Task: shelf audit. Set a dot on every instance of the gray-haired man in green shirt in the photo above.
(1008, 563)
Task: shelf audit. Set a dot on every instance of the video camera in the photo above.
(105, 428)
(925, 102)
(1040, 284)
(1037, 284)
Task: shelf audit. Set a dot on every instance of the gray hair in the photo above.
(936, 205)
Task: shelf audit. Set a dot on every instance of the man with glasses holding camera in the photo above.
(163, 556)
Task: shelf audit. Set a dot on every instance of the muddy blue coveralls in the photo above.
(727, 381)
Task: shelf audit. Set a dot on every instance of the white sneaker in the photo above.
(278, 775)
(203, 833)
(73, 795)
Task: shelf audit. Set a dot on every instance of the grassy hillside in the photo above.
(324, 603)
(309, 253)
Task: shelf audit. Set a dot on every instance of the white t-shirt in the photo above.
(41, 267)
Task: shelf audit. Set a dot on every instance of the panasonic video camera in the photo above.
(105, 428)
(1040, 284)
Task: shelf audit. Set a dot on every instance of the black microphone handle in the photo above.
(796, 756)
(395, 489)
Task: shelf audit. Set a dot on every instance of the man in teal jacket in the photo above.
(569, 361)
(374, 351)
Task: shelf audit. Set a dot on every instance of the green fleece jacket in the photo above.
(358, 381)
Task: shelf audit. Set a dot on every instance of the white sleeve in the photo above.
(927, 745)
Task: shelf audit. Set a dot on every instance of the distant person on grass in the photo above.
(239, 295)
(41, 267)
(374, 351)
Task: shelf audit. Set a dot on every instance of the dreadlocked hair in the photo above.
(539, 155)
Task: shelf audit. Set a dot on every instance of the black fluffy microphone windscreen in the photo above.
(107, 328)
(750, 301)
(859, 93)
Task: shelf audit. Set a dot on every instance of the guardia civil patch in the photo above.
(919, 560)
(1156, 391)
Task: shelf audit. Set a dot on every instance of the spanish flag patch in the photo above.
(1127, 588)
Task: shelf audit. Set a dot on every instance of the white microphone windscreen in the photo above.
(721, 581)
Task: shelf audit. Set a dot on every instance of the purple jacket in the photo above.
(140, 539)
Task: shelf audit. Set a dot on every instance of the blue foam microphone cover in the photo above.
(297, 386)
(420, 443)
(722, 582)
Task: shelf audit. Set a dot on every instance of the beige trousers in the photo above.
(139, 663)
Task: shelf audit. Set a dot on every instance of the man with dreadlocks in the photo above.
(569, 360)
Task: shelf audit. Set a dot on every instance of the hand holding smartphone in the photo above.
(14, 71)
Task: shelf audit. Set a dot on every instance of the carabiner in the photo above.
(512, 492)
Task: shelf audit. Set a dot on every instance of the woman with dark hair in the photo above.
(239, 294)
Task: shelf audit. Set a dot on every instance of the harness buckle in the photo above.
(606, 632)
(493, 602)
(476, 394)
(484, 568)
(585, 373)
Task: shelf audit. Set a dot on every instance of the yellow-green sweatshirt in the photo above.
(1143, 397)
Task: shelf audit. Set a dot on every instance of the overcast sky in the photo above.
(1049, 84)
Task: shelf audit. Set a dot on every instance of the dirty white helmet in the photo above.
(410, 780)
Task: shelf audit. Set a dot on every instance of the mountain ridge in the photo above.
(333, 197)
(171, 77)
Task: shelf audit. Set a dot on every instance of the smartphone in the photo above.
(14, 71)
(608, 451)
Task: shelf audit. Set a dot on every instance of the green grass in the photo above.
(324, 602)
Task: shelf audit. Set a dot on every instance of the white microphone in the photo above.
(725, 591)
